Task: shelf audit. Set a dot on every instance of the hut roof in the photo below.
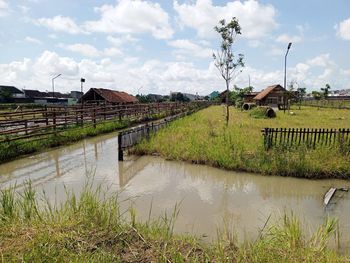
(266, 91)
(114, 96)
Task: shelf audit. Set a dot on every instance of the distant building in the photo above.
(40, 97)
(95, 95)
(222, 96)
(213, 95)
(76, 94)
(249, 97)
(10, 93)
(340, 93)
(155, 97)
(188, 96)
(273, 96)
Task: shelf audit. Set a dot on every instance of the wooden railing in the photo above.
(305, 136)
(15, 125)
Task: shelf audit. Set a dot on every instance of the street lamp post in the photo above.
(53, 84)
(138, 90)
(82, 80)
(285, 76)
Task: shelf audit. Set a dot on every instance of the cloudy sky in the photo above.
(162, 46)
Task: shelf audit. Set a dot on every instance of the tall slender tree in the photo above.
(225, 60)
(325, 91)
(301, 92)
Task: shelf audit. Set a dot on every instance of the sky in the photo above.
(162, 46)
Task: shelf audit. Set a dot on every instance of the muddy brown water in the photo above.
(209, 198)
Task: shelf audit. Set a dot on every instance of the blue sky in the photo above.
(163, 46)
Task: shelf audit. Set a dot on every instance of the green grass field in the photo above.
(92, 228)
(204, 138)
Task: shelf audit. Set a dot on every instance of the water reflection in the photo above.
(208, 196)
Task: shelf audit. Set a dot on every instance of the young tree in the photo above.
(325, 91)
(5, 95)
(225, 61)
(238, 94)
(301, 92)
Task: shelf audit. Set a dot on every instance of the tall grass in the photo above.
(204, 138)
(92, 227)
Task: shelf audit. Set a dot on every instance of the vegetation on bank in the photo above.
(92, 228)
(14, 149)
(17, 148)
(204, 138)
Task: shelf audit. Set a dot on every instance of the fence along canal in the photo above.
(133, 136)
(35, 123)
(306, 136)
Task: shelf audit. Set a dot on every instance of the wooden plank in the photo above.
(328, 196)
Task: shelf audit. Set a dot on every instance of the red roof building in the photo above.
(108, 96)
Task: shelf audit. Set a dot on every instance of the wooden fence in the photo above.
(22, 124)
(133, 136)
(288, 137)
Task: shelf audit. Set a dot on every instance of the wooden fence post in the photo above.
(26, 126)
(65, 117)
(94, 117)
(54, 119)
(46, 116)
(120, 149)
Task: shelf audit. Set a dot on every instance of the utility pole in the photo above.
(53, 85)
(285, 77)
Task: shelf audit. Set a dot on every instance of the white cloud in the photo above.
(343, 29)
(24, 9)
(33, 40)
(52, 36)
(159, 77)
(322, 60)
(285, 38)
(132, 17)
(124, 39)
(50, 63)
(112, 52)
(60, 23)
(275, 51)
(187, 48)
(256, 20)
(4, 8)
(90, 51)
(84, 49)
(254, 43)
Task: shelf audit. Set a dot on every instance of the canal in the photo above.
(207, 196)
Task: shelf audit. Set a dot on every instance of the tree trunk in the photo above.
(227, 104)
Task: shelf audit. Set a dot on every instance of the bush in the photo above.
(263, 113)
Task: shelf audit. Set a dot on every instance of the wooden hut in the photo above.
(95, 95)
(273, 96)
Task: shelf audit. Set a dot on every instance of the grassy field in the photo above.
(92, 228)
(204, 138)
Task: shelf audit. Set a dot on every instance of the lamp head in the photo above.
(289, 45)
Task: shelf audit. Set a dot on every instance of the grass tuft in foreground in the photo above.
(205, 139)
(91, 228)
